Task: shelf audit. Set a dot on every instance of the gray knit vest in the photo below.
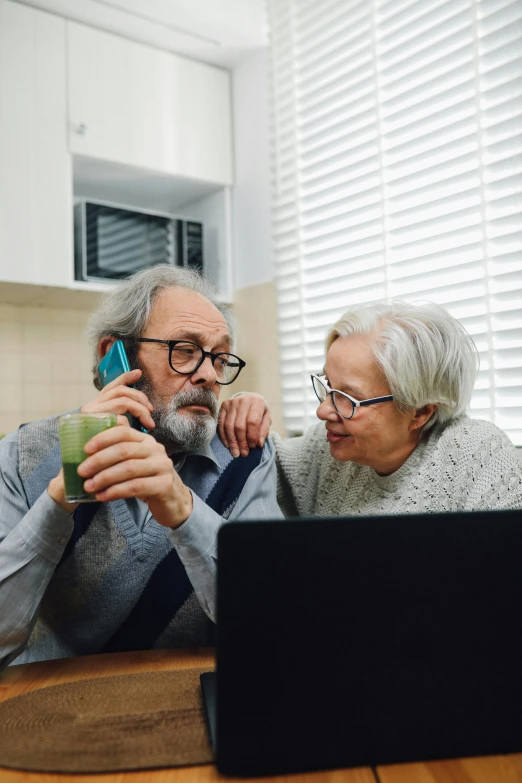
(107, 567)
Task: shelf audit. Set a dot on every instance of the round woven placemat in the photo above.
(132, 721)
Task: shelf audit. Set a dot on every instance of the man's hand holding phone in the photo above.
(114, 365)
(127, 462)
(119, 397)
(124, 462)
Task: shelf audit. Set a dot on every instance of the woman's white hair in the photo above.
(425, 354)
(123, 313)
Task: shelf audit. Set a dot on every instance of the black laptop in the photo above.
(366, 640)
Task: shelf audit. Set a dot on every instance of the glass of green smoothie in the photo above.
(74, 430)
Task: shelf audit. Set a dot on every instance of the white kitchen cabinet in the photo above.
(139, 106)
(35, 165)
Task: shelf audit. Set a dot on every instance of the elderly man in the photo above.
(136, 569)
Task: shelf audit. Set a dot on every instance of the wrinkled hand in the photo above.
(244, 422)
(124, 463)
(118, 397)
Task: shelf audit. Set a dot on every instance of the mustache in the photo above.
(196, 396)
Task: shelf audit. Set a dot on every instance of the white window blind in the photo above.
(397, 139)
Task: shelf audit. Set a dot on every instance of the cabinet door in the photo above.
(204, 121)
(35, 169)
(132, 104)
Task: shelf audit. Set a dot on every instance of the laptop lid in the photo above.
(368, 640)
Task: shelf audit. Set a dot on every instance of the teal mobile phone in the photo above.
(113, 364)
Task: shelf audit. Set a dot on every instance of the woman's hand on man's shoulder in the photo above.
(244, 422)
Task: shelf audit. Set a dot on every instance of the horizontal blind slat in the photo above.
(398, 173)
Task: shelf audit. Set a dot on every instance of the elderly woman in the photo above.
(393, 436)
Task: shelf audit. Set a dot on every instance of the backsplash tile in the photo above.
(45, 363)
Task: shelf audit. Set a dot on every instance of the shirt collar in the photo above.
(204, 451)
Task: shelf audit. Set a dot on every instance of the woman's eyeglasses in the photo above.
(342, 402)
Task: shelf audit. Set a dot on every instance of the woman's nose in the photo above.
(326, 410)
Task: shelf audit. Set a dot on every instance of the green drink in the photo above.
(75, 429)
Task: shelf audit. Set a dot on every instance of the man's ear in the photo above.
(104, 345)
(422, 415)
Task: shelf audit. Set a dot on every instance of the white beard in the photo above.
(183, 431)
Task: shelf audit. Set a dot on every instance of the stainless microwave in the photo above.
(111, 242)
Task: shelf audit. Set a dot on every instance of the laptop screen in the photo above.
(368, 640)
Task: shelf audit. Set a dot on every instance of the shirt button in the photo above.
(62, 539)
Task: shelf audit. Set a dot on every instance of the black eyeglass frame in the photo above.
(355, 403)
(204, 354)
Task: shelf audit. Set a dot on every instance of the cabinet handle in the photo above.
(81, 129)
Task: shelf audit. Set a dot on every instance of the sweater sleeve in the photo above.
(300, 462)
(496, 476)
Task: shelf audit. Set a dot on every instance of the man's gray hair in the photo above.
(425, 354)
(123, 313)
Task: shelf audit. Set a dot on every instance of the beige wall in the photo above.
(46, 365)
(255, 309)
(44, 361)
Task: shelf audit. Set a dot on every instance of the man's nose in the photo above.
(205, 375)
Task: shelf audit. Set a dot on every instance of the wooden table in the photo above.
(27, 677)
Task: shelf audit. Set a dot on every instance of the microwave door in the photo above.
(113, 242)
(120, 242)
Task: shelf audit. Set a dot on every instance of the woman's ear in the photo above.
(104, 345)
(423, 415)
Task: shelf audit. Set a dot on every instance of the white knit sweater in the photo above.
(467, 465)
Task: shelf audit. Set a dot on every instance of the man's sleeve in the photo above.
(196, 539)
(32, 542)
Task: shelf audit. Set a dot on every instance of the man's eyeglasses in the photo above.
(342, 402)
(185, 358)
